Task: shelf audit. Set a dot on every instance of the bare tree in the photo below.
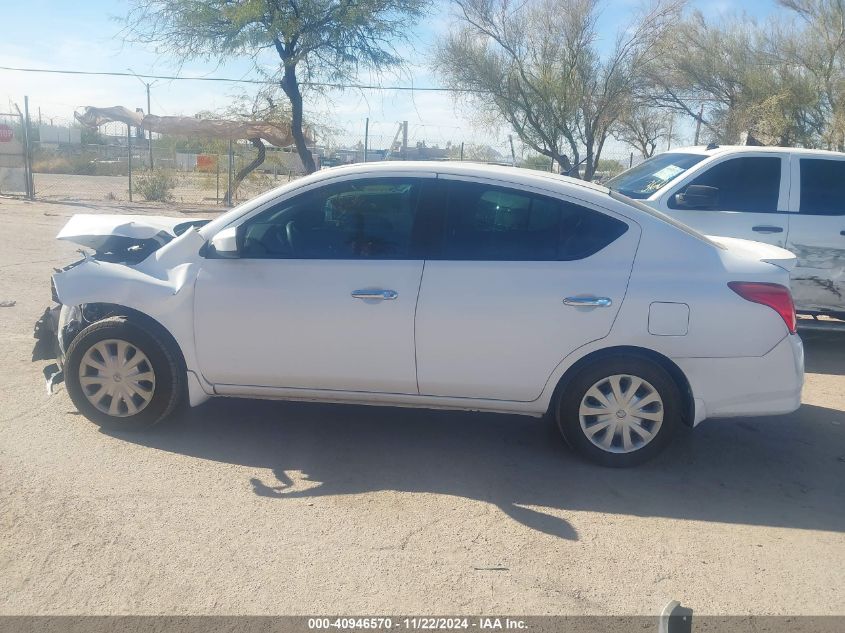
(535, 64)
(643, 127)
(733, 69)
(315, 40)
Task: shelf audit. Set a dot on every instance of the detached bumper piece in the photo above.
(47, 346)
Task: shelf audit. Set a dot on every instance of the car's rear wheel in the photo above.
(122, 375)
(619, 411)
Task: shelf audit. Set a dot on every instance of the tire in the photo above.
(647, 390)
(107, 356)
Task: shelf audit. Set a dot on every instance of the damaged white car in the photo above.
(434, 285)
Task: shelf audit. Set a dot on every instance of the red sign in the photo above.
(6, 133)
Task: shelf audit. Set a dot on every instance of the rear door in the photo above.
(752, 203)
(517, 280)
(817, 233)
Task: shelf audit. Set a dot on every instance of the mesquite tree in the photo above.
(316, 41)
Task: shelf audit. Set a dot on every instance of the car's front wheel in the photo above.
(122, 375)
(619, 411)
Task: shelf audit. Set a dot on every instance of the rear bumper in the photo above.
(747, 386)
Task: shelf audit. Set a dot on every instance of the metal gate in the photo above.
(14, 169)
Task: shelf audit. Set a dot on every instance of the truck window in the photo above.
(749, 183)
(822, 186)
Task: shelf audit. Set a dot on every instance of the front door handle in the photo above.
(589, 302)
(841, 232)
(379, 295)
(766, 228)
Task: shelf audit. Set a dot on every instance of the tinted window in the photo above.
(822, 186)
(487, 223)
(655, 173)
(744, 184)
(361, 219)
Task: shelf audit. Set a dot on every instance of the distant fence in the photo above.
(113, 162)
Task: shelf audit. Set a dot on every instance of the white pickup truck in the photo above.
(793, 198)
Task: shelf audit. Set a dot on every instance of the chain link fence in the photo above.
(117, 162)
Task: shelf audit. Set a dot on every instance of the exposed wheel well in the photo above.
(629, 350)
(92, 312)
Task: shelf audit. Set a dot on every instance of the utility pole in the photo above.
(404, 140)
(149, 133)
(513, 154)
(366, 137)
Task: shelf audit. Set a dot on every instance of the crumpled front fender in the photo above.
(161, 287)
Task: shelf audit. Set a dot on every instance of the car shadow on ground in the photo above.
(786, 471)
(825, 352)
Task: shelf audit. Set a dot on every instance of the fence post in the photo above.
(217, 164)
(231, 167)
(129, 157)
(462, 150)
(631, 160)
(30, 181)
(366, 137)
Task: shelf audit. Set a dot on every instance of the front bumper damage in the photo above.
(47, 346)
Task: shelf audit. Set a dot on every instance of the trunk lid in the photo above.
(758, 251)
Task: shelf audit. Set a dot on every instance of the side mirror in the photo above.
(698, 197)
(224, 245)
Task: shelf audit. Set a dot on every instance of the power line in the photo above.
(316, 84)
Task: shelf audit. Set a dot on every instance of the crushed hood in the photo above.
(760, 251)
(94, 231)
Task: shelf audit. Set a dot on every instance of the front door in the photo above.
(752, 200)
(322, 295)
(519, 280)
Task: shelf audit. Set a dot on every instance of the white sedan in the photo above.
(453, 286)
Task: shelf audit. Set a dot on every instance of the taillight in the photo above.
(777, 297)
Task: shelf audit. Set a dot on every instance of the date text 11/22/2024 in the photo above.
(417, 623)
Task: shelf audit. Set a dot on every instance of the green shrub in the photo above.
(156, 185)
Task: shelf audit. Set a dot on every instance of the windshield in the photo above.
(647, 177)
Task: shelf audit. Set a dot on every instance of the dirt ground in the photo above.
(248, 507)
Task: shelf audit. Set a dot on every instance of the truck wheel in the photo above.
(122, 375)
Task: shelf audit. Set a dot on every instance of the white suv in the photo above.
(435, 285)
(793, 198)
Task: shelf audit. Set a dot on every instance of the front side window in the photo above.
(490, 223)
(822, 187)
(649, 176)
(750, 183)
(359, 219)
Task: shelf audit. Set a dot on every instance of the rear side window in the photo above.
(751, 183)
(489, 223)
(822, 186)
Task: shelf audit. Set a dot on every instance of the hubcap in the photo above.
(117, 378)
(621, 413)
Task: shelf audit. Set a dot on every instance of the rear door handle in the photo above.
(841, 232)
(766, 228)
(590, 302)
(380, 295)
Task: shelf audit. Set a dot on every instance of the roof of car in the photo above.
(709, 150)
(465, 168)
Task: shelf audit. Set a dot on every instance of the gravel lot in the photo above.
(247, 507)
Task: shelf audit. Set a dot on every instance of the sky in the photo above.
(60, 34)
